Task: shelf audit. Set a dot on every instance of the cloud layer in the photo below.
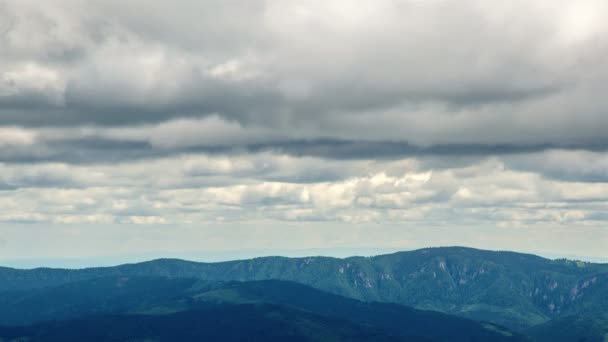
(426, 72)
(404, 112)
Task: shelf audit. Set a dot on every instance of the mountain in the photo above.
(89, 297)
(581, 328)
(150, 307)
(211, 323)
(511, 289)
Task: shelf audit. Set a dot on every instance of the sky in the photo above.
(249, 127)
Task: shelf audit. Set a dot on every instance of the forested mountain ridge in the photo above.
(512, 289)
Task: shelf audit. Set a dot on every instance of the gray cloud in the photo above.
(433, 73)
(575, 165)
(102, 147)
(386, 113)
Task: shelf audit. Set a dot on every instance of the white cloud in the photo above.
(204, 188)
(13, 136)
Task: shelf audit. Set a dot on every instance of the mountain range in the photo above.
(510, 294)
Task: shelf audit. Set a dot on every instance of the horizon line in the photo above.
(215, 256)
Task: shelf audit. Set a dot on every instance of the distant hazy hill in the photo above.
(185, 309)
(511, 289)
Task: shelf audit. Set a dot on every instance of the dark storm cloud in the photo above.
(91, 150)
(342, 149)
(39, 180)
(582, 165)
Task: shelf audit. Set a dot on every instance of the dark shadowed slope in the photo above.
(578, 328)
(129, 296)
(213, 322)
(393, 318)
(103, 295)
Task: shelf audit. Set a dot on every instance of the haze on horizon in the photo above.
(176, 128)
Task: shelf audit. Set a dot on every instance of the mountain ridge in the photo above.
(176, 259)
(517, 290)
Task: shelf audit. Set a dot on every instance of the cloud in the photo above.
(237, 113)
(575, 165)
(427, 73)
(214, 135)
(252, 187)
